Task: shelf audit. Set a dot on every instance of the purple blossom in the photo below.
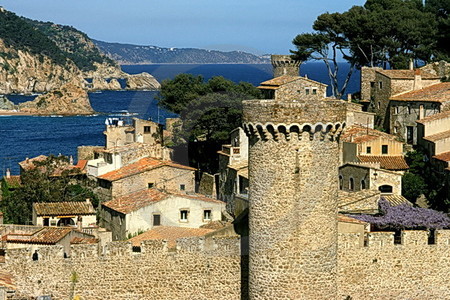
(405, 217)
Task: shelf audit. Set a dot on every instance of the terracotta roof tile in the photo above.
(443, 156)
(387, 162)
(143, 198)
(406, 74)
(435, 93)
(359, 134)
(6, 280)
(142, 165)
(435, 117)
(46, 235)
(347, 219)
(64, 208)
(29, 164)
(80, 240)
(13, 180)
(81, 164)
(278, 81)
(171, 234)
(438, 136)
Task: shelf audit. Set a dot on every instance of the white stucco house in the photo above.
(145, 209)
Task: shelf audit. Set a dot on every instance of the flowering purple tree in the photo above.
(405, 217)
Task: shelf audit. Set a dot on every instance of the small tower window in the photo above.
(384, 149)
(351, 185)
(363, 184)
(380, 84)
(341, 182)
(147, 129)
(307, 91)
(207, 215)
(314, 91)
(184, 215)
(396, 110)
(182, 187)
(368, 149)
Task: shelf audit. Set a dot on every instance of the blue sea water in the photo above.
(30, 136)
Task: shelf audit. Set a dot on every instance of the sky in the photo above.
(257, 26)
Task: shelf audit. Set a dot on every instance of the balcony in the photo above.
(229, 150)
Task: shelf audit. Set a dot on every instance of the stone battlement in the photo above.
(409, 239)
(328, 131)
(223, 246)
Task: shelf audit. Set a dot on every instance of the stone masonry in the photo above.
(293, 171)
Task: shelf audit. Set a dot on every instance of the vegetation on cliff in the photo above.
(379, 33)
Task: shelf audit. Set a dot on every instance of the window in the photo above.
(341, 182)
(368, 150)
(351, 185)
(147, 129)
(307, 91)
(409, 110)
(396, 110)
(409, 134)
(395, 130)
(182, 187)
(46, 221)
(207, 215)
(380, 84)
(379, 104)
(314, 91)
(372, 84)
(384, 149)
(363, 184)
(156, 220)
(184, 215)
(151, 185)
(385, 189)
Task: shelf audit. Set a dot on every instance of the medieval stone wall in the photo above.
(411, 270)
(199, 269)
(301, 89)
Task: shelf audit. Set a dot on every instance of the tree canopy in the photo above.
(379, 33)
(209, 111)
(43, 183)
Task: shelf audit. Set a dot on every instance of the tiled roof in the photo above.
(46, 235)
(387, 162)
(13, 180)
(358, 134)
(443, 156)
(171, 234)
(347, 219)
(278, 81)
(434, 93)
(434, 117)
(396, 200)
(142, 165)
(80, 240)
(28, 164)
(6, 280)
(438, 136)
(81, 164)
(64, 208)
(406, 74)
(143, 198)
(215, 225)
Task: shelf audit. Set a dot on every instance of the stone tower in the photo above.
(285, 65)
(293, 173)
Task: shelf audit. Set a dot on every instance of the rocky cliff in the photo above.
(142, 81)
(6, 104)
(69, 99)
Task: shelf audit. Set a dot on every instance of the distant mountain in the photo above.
(127, 54)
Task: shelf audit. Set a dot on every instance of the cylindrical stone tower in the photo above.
(293, 173)
(284, 65)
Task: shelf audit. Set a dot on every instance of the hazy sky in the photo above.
(260, 26)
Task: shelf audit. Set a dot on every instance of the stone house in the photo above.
(378, 86)
(407, 108)
(76, 213)
(366, 145)
(142, 210)
(37, 237)
(355, 177)
(125, 144)
(146, 173)
(293, 87)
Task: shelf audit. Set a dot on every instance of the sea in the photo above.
(30, 136)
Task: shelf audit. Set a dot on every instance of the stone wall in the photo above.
(199, 269)
(87, 152)
(383, 270)
(301, 88)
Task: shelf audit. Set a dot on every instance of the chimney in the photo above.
(411, 64)
(8, 173)
(349, 97)
(417, 80)
(71, 160)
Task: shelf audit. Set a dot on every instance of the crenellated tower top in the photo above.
(285, 65)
